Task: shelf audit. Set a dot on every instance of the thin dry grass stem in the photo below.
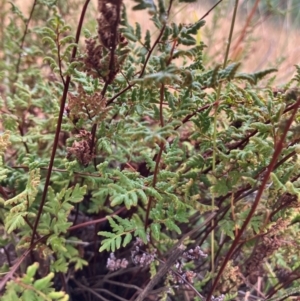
(235, 48)
(92, 291)
(123, 284)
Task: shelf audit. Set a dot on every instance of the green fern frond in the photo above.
(123, 228)
(230, 71)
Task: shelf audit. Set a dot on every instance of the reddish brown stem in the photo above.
(210, 10)
(10, 274)
(243, 33)
(270, 168)
(23, 40)
(58, 128)
(96, 221)
(156, 170)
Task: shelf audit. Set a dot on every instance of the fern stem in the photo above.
(146, 60)
(244, 30)
(260, 191)
(19, 62)
(9, 275)
(210, 10)
(215, 126)
(158, 158)
(58, 127)
(96, 221)
(161, 115)
(151, 50)
(59, 59)
(23, 39)
(162, 89)
(230, 38)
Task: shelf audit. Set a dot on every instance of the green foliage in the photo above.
(27, 288)
(124, 228)
(135, 156)
(21, 203)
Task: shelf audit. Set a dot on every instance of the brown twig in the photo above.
(96, 221)
(156, 170)
(23, 40)
(89, 290)
(243, 33)
(158, 158)
(58, 127)
(123, 284)
(175, 253)
(161, 272)
(188, 117)
(270, 168)
(10, 274)
(210, 10)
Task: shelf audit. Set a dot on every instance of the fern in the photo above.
(27, 288)
(122, 231)
(116, 134)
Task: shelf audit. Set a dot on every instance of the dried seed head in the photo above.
(108, 22)
(220, 298)
(87, 107)
(140, 257)
(114, 264)
(194, 254)
(81, 149)
(190, 275)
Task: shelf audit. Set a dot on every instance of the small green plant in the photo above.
(122, 152)
(26, 288)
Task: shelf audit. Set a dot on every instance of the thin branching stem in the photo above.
(92, 291)
(210, 10)
(190, 116)
(96, 221)
(215, 123)
(112, 66)
(146, 60)
(23, 40)
(243, 142)
(152, 49)
(15, 267)
(123, 284)
(59, 56)
(58, 127)
(161, 112)
(162, 89)
(112, 62)
(244, 30)
(280, 285)
(155, 175)
(158, 157)
(270, 168)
